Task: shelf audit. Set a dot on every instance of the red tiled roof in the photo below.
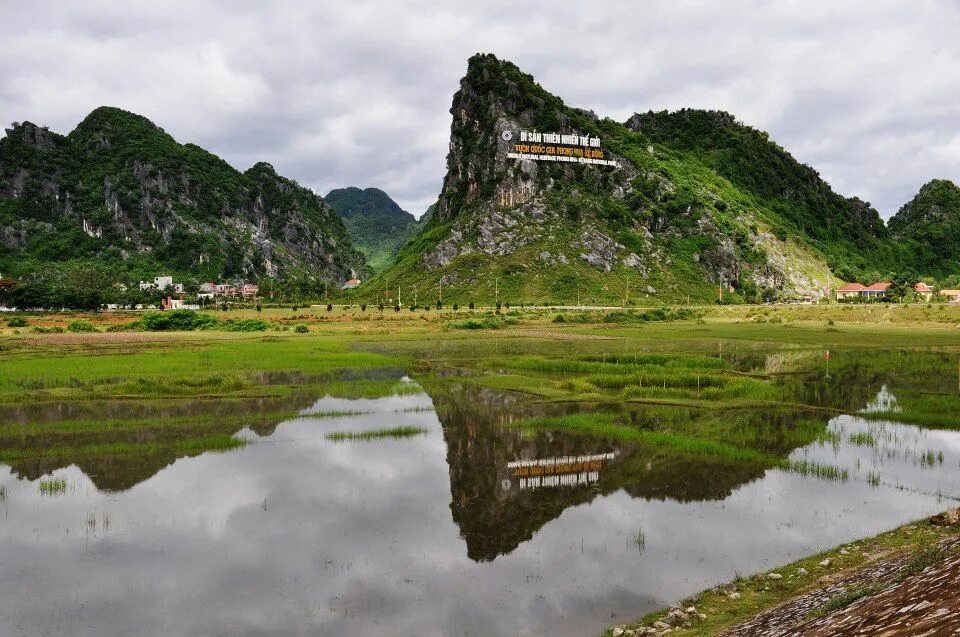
(353, 282)
(880, 286)
(922, 287)
(850, 287)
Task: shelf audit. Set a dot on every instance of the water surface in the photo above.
(469, 529)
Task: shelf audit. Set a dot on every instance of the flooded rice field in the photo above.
(440, 521)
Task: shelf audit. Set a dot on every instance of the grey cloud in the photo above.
(336, 93)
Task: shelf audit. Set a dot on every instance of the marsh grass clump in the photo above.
(3, 492)
(400, 431)
(640, 540)
(52, 486)
(817, 470)
(862, 439)
(873, 479)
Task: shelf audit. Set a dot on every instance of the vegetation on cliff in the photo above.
(121, 193)
(699, 203)
(378, 226)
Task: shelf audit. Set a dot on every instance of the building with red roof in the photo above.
(876, 290)
(848, 290)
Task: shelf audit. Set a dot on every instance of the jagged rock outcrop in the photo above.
(120, 190)
(695, 200)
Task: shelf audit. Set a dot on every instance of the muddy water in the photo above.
(469, 529)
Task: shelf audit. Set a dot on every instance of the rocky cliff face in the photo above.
(695, 202)
(118, 189)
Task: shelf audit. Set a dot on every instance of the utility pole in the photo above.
(398, 296)
(578, 293)
(441, 290)
(626, 297)
(496, 290)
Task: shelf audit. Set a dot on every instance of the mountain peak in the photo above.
(377, 224)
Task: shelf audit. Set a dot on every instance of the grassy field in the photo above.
(695, 384)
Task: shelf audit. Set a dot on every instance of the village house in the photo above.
(923, 290)
(207, 290)
(250, 289)
(161, 283)
(352, 283)
(952, 296)
(848, 290)
(170, 303)
(876, 290)
(872, 291)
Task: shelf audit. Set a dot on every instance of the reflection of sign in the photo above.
(559, 472)
(537, 146)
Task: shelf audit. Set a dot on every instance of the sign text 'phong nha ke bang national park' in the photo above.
(537, 146)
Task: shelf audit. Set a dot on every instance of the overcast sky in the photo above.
(358, 93)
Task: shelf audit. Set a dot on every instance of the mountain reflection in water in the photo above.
(434, 534)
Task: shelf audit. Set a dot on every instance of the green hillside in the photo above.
(377, 225)
(930, 223)
(698, 203)
(120, 194)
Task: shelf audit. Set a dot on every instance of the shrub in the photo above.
(455, 307)
(396, 308)
(363, 307)
(178, 321)
(329, 307)
(81, 325)
(489, 323)
(559, 318)
(48, 330)
(301, 329)
(17, 321)
(246, 325)
(471, 306)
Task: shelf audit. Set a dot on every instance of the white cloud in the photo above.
(336, 93)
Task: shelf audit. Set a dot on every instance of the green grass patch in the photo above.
(403, 431)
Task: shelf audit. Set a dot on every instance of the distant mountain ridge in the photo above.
(120, 193)
(378, 226)
(698, 204)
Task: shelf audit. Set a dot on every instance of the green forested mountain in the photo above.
(930, 224)
(120, 193)
(698, 202)
(377, 225)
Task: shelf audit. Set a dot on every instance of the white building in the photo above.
(161, 283)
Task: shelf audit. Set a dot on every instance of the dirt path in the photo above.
(906, 597)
